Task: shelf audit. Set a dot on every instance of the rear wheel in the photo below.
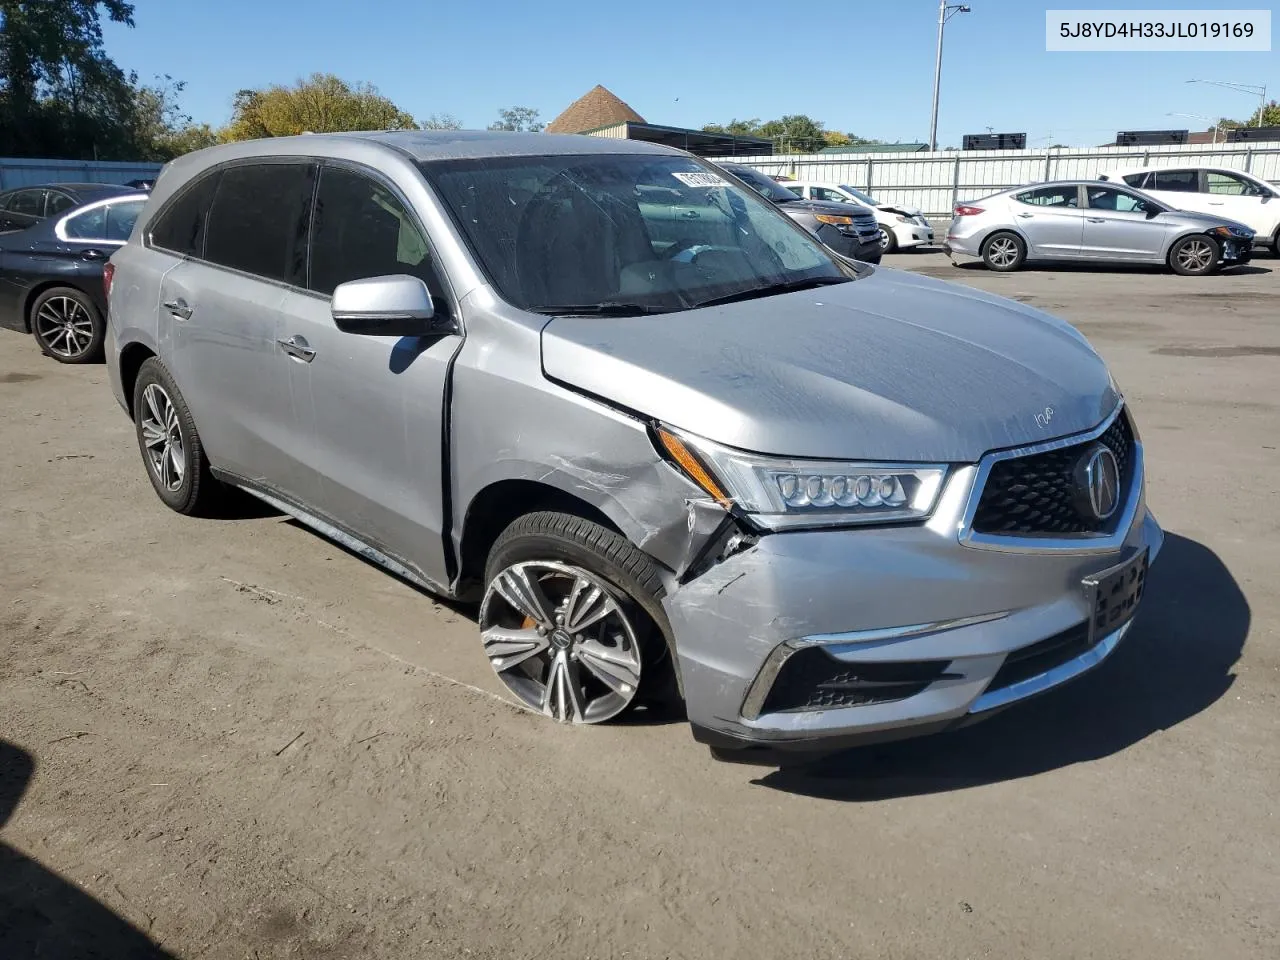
(67, 325)
(570, 618)
(1004, 252)
(171, 448)
(1194, 256)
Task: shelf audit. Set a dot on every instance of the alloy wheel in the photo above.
(162, 437)
(1003, 251)
(1195, 256)
(884, 239)
(558, 638)
(64, 326)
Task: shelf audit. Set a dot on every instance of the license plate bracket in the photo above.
(1114, 594)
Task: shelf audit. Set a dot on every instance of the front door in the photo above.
(1051, 220)
(373, 408)
(1120, 225)
(1240, 199)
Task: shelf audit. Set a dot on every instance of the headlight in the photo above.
(1231, 232)
(902, 219)
(783, 493)
(828, 218)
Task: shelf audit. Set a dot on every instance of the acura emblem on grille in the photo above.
(1097, 481)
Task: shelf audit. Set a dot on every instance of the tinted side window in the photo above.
(121, 217)
(361, 230)
(180, 227)
(57, 203)
(28, 202)
(90, 225)
(1051, 197)
(258, 223)
(1225, 183)
(1109, 198)
(1177, 181)
(1140, 180)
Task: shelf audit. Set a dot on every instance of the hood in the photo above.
(829, 207)
(1207, 219)
(898, 208)
(893, 366)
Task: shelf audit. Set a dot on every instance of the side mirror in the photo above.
(393, 306)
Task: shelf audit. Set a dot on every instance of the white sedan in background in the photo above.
(900, 227)
(1232, 194)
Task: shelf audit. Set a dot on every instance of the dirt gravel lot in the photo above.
(231, 739)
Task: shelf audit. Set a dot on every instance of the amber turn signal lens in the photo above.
(692, 466)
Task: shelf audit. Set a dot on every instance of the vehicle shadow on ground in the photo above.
(41, 914)
(1175, 662)
(1249, 269)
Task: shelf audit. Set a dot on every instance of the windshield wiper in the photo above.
(606, 308)
(769, 290)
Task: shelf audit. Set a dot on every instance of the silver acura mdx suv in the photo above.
(665, 438)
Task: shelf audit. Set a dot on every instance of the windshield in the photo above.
(860, 195)
(623, 233)
(762, 183)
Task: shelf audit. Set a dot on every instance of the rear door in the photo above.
(1179, 189)
(1120, 225)
(223, 307)
(1052, 221)
(372, 408)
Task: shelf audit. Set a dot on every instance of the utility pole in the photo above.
(1258, 91)
(945, 12)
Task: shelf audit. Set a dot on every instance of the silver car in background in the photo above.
(1087, 220)
(829, 502)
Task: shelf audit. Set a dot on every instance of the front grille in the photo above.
(1037, 494)
(1033, 660)
(813, 680)
(866, 224)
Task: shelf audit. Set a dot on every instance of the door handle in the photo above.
(92, 254)
(1026, 216)
(178, 307)
(1097, 219)
(299, 348)
(691, 215)
(1215, 203)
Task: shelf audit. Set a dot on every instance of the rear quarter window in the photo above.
(180, 226)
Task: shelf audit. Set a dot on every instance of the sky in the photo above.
(860, 66)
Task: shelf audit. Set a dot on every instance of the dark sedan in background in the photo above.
(51, 274)
(849, 229)
(24, 207)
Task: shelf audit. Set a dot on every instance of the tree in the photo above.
(736, 128)
(1270, 118)
(795, 133)
(322, 104)
(441, 121)
(518, 120)
(60, 94)
(162, 130)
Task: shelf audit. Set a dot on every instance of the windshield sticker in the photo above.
(699, 179)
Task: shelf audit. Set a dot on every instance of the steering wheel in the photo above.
(679, 247)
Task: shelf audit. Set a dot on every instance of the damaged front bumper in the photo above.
(920, 629)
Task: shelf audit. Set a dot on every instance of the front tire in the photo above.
(888, 240)
(1004, 252)
(171, 447)
(1195, 256)
(570, 618)
(67, 325)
